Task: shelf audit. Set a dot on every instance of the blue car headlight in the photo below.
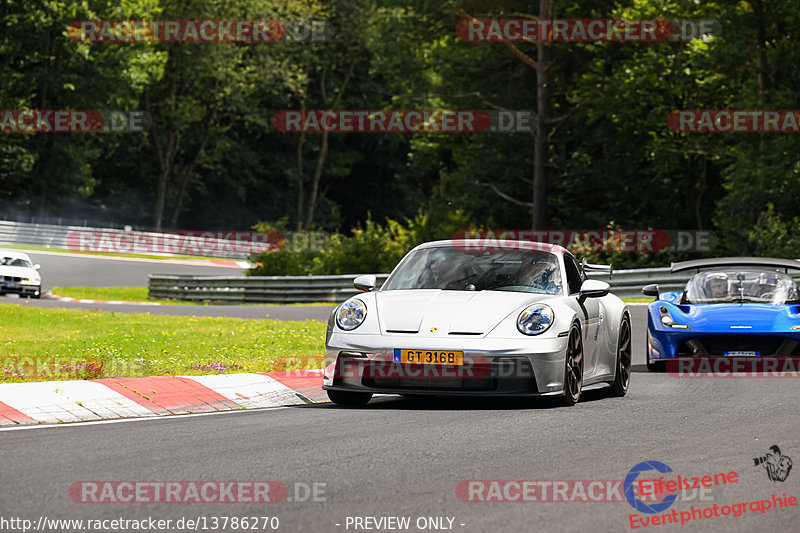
(666, 319)
(351, 314)
(535, 319)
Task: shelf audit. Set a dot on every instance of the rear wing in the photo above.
(589, 267)
(766, 262)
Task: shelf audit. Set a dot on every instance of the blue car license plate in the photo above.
(741, 354)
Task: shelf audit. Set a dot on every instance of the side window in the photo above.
(574, 278)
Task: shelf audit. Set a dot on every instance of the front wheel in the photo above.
(349, 399)
(623, 375)
(573, 371)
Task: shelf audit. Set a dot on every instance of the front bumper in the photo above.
(22, 288)
(669, 345)
(492, 367)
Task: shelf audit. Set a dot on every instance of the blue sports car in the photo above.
(732, 306)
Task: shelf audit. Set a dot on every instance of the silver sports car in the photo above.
(481, 318)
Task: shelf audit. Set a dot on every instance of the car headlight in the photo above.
(666, 320)
(351, 314)
(535, 319)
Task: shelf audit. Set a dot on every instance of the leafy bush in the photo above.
(374, 248)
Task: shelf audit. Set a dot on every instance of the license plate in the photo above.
(741, 354)
(429, 357)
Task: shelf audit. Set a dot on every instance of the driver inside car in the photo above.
(717, 287)
(536, 275)
(767, 285)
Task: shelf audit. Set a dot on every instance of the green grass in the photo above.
(38, 344)
(139, 294)
(638, 299)
(125, 294)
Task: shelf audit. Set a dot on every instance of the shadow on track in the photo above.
(462, 403)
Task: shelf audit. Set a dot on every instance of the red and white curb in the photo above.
(49, 402)
(231, 263)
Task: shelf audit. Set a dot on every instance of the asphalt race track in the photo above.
(405, 457)
(63, 270)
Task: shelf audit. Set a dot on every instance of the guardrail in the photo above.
(254, 289)
(629, 283)
(298, 289)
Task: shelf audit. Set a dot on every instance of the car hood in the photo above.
(21, 272)
(457, 312)
(737, 317)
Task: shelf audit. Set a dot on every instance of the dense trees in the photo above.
(213, 159)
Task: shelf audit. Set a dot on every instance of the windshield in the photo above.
(447, 268)
(741, 285)
(15, 262)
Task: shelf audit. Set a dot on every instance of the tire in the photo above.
(654, 366)
(37, 296)
(573, 367)
(622, 377)
(349, 399)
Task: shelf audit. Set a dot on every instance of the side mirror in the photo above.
(37, 266)
(593, 288)
(365, 283)
(650, 290)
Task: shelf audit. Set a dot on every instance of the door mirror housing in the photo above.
(365, 283)
(650, 290)
(593, 288)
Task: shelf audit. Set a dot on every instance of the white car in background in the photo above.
(18, 275)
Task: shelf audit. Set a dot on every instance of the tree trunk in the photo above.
(761, 56)
(323, 151)
(164, 153)
(301, 194)
(315, 179)
(539, 213)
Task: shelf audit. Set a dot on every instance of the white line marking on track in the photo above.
(142, 419)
